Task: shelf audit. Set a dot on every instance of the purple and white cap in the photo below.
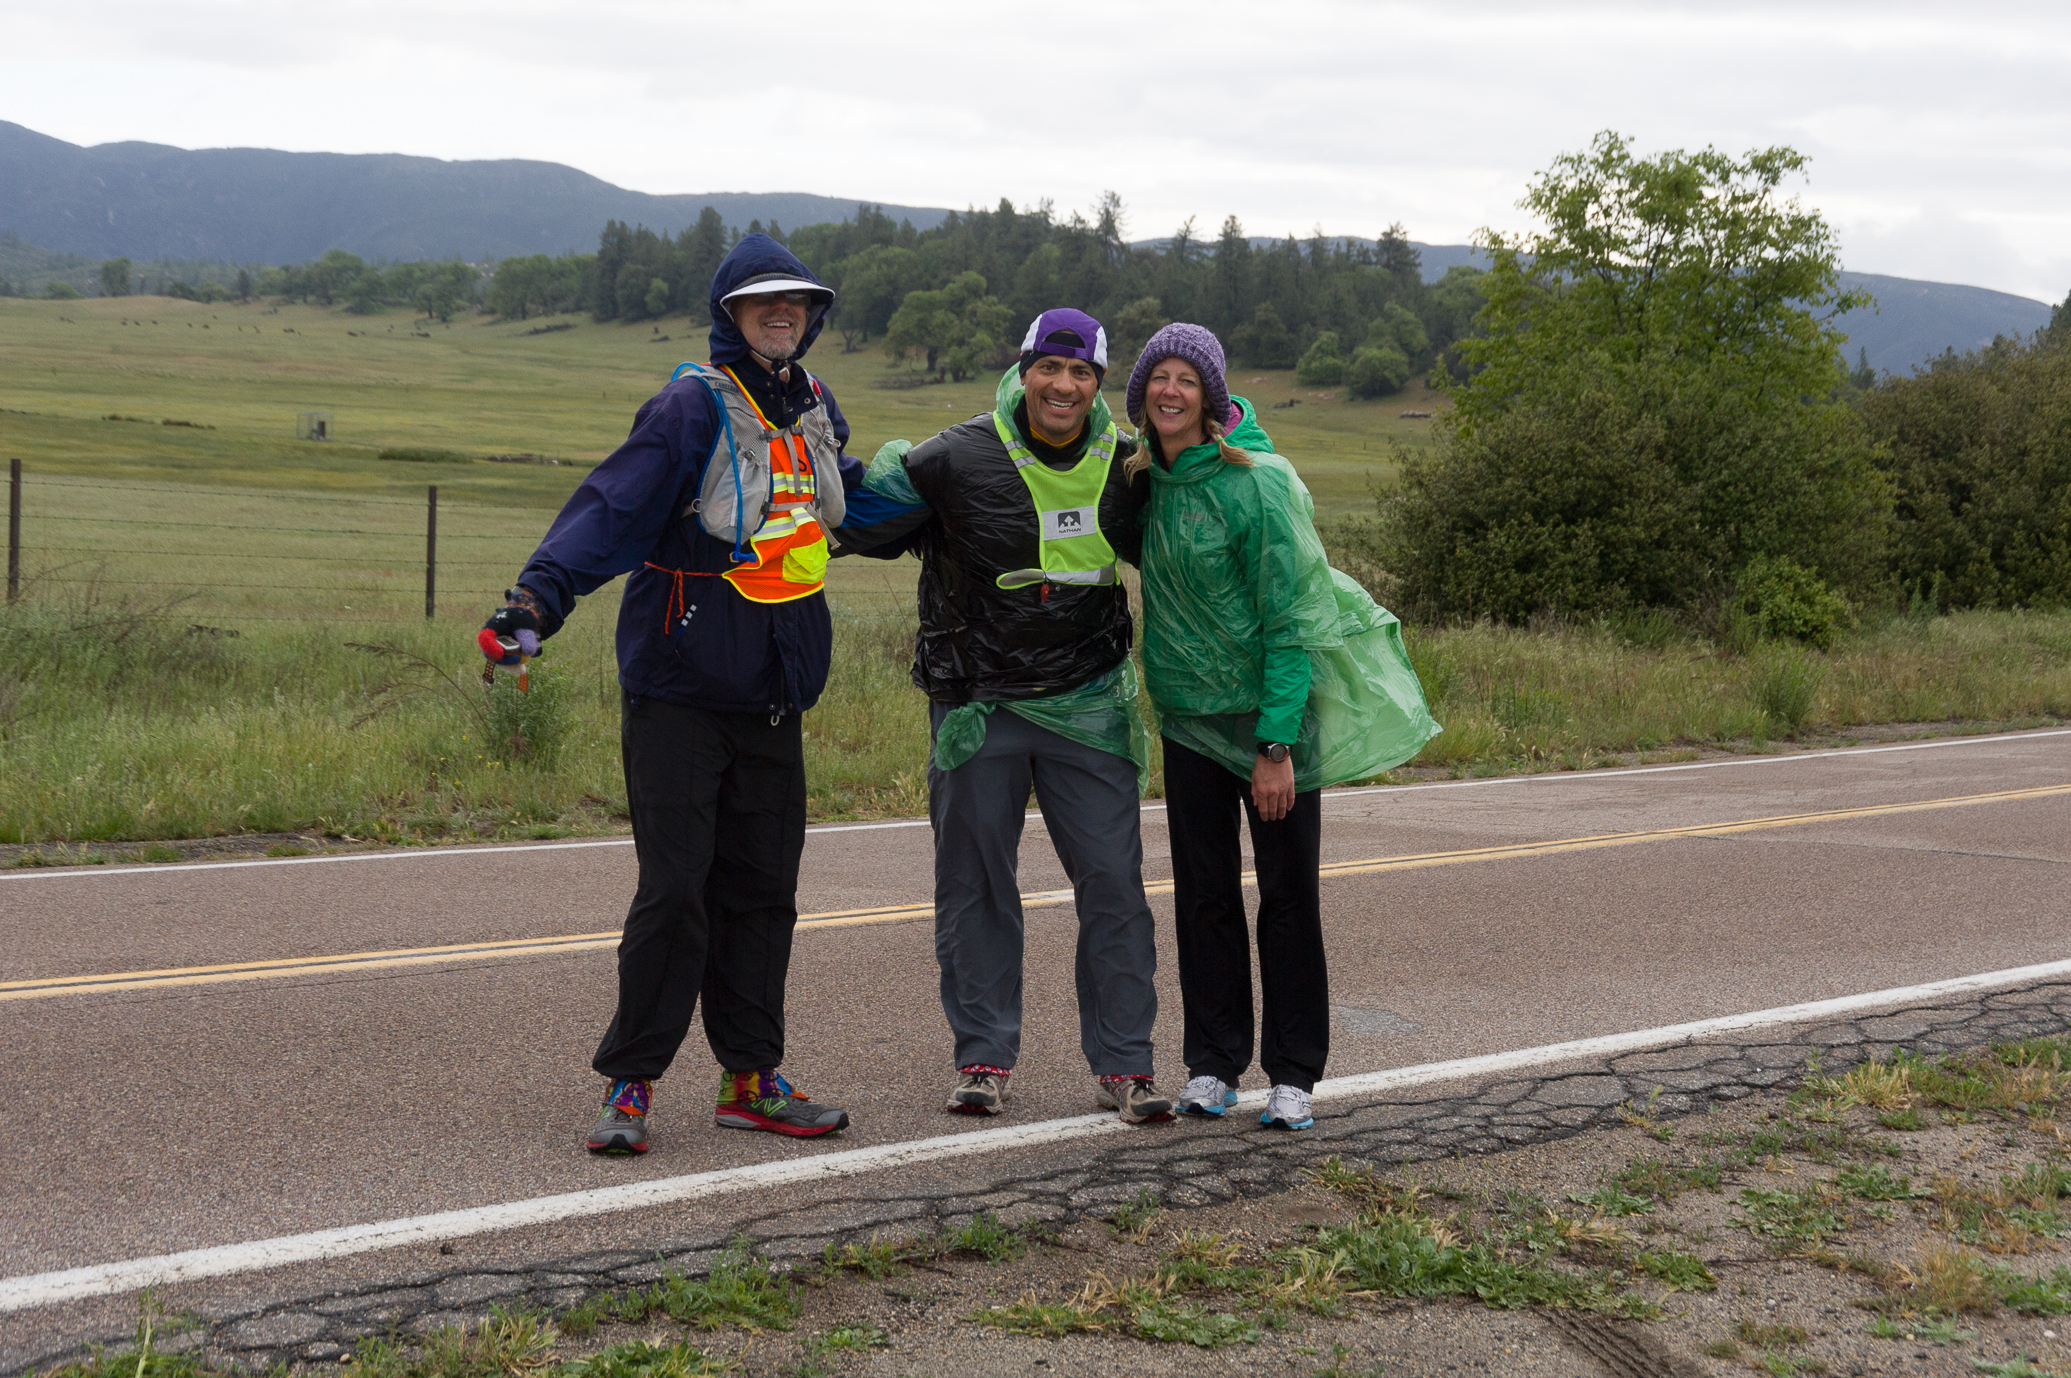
(1068, 333)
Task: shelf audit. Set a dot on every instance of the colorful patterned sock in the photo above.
(630, 1096)
(746, 1088)
(1127, 1076)
(982, 1068)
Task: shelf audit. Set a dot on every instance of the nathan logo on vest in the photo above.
(1067, 522)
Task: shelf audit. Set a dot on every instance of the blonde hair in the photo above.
(1147, 436)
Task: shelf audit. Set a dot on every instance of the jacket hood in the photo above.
(1012, 389)
(754, 255)
(1195, 460)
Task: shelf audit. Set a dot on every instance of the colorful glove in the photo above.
(512, 622)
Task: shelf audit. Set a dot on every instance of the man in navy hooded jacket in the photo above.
(722, 643)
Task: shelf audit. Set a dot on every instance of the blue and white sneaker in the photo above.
(1206, 1096)
(1287, 1107)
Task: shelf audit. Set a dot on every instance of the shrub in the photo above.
(1376, 371)
(61, 291)
(529, 725)
(1324, 365)
(1783, 599)
(1979, 450)
(1655, 402)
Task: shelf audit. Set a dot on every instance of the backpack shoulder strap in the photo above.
(697, 373)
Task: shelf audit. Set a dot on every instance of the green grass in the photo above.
(222, 629)
(474, 388)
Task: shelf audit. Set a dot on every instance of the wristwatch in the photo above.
(1276, 752)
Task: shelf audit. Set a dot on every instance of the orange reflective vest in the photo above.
(772, 495)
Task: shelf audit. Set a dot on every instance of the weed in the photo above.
(1132, 1219)
(1929, 1328)
(1802, 1215)
(286, 849)
(1785, 683)
(1790, 1365)
(1651, 1176)
(582, 1319)
(2047, 1295)
(2020, 1366)
(1721, 1349)
(1879, 1085)
(157, 853)
(1947, 1281)
(1876, 1183)
(641, 1359)
(1679, 1272)
(1907, 1120)
(853, 1339)
(1045, 1320)
(877, 1260)
(2038, 1185)
(1204, 1247)
(144, 1358)
(1609, 1200)
(742, 1290)
(1755, 1333)
(1170, 1324)
(509, 1344)
(985, 1236)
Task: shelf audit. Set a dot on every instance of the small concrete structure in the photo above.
(313, 425)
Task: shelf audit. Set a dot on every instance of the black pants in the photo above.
(718, 805)
(1202, 802)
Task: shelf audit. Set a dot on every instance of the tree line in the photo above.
(957, 297)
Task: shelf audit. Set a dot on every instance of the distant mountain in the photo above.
(254, 205)
(1915, 321)
(245, 205)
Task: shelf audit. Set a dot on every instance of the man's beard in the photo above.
(777, 352)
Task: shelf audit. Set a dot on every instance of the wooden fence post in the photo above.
(14, 529)
(431, 549)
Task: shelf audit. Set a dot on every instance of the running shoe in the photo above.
(983, 1091)
(622, 1127)
(764, 1100)
(1135, 1098)
(1207, 1096)
(1287, 1107)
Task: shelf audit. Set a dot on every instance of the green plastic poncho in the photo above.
(1245, 623)
(1100, 713)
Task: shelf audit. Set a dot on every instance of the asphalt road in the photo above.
(143, 1121)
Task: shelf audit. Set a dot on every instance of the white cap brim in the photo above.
(768, 285)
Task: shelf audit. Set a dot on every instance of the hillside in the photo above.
(150, 201)
(63, 208)
(1915, 321)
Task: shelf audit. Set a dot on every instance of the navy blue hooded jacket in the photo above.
(733, 655)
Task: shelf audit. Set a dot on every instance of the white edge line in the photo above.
(1544, 777)
(106, 1279)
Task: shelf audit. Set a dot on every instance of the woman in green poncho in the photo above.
(1273, 675)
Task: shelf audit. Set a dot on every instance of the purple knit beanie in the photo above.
(1198, 346)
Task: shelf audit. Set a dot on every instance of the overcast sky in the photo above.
(1939, 133)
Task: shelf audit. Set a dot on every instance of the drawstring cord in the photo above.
(678, 606)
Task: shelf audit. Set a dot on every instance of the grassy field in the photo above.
(223, 627)
(118, 724)
(477, 386)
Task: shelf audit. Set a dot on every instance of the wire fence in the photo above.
(262, 555)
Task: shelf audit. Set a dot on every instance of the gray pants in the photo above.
(1088, 800)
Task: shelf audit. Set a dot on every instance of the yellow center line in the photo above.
(44, 987)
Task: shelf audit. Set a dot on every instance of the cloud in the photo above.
(1940, 136)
